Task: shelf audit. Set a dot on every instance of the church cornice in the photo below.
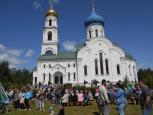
(50, 43)
(52, 27)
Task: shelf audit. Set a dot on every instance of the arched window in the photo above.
(69, 76)
(85, 70)
(96, 32)
(74, 78)
(49, 65)
(107, 66)
(48, 52)
(89, 34)
(49, 36)
(44, 66)
(44, 77)
(96, 66)
(50, 22)
(49, 77)
(134, 72)
(118, 69)
(68, 65)
(101, 63)
(74, 65)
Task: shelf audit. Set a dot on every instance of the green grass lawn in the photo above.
(74, 110)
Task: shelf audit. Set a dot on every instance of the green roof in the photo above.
(129, 56)
(59, 56)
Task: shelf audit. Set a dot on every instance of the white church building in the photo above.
(95, 59)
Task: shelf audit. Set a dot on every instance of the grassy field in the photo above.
(74, 110)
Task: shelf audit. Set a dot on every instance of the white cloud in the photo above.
(15, 52)
(29, 53)
(11, 55)
(2, 47)
(36, 5)
(69, 45)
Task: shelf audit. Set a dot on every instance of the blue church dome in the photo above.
(94, 18)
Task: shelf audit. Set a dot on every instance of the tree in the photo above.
(14, 77)
(147, 76)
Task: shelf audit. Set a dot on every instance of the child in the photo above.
(51, 110)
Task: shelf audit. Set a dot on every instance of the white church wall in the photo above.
(116, 61)
(131, 70)
(51, 67)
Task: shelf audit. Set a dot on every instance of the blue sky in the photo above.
(127, 22)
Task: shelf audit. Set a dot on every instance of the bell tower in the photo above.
(50, 42)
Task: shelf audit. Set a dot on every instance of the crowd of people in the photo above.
(40, 93)
(138, 93)
(105, 94)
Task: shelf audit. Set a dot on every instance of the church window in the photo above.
(134, 71)
(130, 69)
(50, 22)
(49, 65)
(74, 65)
(49, 36)
(101, 63)
(49, 77)
(44, 66)
(69, 76)
(96, 67)
(48, 52)
(74, 76)
(118, 69)
(96, 32)
(107, 66)
(44, 77)
(89, 34)
(85, 70)
(101, 31)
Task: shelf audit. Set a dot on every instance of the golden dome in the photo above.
(51, 12)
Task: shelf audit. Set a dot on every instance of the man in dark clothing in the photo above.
(145, 99)
(61, 112)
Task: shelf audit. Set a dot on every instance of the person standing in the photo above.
(120, 99)
(105, 109)
(26, 100)
(145, 99)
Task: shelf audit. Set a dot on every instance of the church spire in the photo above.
(51, 4)
(93, 5)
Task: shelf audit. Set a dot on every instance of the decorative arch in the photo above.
(58, 77)
(81, 51)
(49, 49)
(106, 41)
(49, 52)
(119, 50)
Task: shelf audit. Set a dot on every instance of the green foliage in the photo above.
(68, 86)
(79, 87)
(125, 82)
(147, 76)
(11, 77)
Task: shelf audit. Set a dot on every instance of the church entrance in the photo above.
(58, 78)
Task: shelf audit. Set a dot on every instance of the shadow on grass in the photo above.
(96, 113)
